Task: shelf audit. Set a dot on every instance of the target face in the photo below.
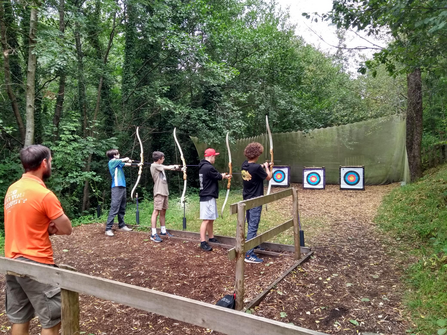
(314, 178)
(281, 176)
(352, 178)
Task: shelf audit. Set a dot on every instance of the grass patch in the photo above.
(225, 226)
(416, 215)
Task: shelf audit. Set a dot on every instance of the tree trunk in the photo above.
(30, 78)
(81, 80)
(86, 192)
(7, 69)
(414, 124)
(61, 91)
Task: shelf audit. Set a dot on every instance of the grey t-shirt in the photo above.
(159, 177)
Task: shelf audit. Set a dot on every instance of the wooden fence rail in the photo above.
(198, 313)
(257, 240)
(242, 246)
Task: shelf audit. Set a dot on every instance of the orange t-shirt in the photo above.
(29, 209)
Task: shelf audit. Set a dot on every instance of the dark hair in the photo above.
(112, 152)
(156, 155)
(33, 155)
(253, 150)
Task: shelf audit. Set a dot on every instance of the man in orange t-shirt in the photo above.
(32, 214)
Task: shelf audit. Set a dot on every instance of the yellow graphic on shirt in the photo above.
(246, 175)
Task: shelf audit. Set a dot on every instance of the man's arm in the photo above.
(60, 226)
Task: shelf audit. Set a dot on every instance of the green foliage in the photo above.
(10, 171)
(2, 242)
(69, 156)
(205, 67)
(416, 214)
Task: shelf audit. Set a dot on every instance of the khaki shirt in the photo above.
(159, 177)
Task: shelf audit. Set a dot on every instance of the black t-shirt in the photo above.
(208, 177)
(253, 175)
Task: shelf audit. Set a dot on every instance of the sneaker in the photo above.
(168, 234)
(109, 233)
(205, 246)
(258, 248)
(214, 240)
(125, 228)
(156, 238)
(252, 258)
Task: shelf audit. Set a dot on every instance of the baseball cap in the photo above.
(210, 152)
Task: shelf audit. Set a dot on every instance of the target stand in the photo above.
(314, 178)
(280, 176)
(352, 178)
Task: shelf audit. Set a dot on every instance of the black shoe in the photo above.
(258, 248)
(205, 246)
(214, 240)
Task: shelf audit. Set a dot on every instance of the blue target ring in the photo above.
(351, 178)
(279, 176)
(313, 179)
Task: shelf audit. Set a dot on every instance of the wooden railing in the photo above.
(224, 320)
(243, 246)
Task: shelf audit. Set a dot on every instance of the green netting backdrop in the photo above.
(378, 145)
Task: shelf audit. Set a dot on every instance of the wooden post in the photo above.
(296, 227)
(70, 309)
(240, 256)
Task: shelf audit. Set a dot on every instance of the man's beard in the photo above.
(47, 173)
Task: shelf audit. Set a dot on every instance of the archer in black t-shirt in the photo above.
(253, 175)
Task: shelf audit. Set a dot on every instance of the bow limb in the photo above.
(182, 199)
(271, 154)
(140, 169)
(230, 167)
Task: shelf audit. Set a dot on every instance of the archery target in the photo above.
(352, 178)
(280, 176)
(314, 178)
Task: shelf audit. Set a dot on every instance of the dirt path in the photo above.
(350, 285)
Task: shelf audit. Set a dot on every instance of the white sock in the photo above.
(154, 231)
(163, 229)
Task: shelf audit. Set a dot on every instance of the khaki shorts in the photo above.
(26, 298)
(160, 202)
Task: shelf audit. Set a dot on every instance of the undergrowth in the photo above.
(416, 215)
